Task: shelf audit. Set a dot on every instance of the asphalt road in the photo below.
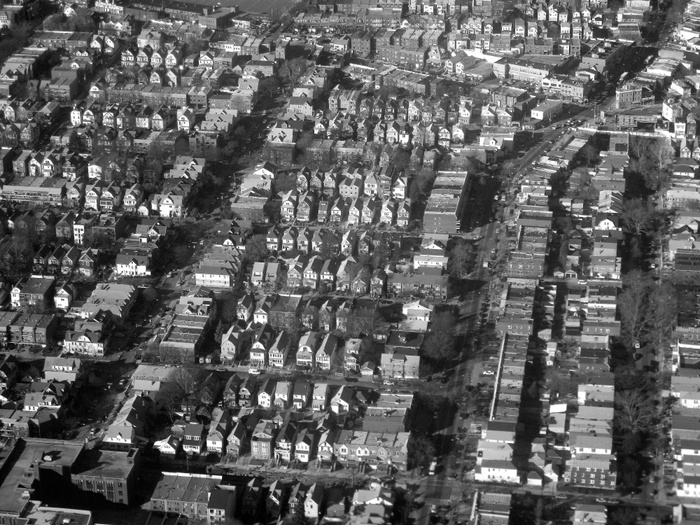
(447, 484)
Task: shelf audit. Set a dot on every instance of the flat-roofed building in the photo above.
(108, 472)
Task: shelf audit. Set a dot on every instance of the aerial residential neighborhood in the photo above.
(349, 262)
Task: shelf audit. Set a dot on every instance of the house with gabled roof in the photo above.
(324, 447)
(262, 441)
(289, 239)
(307, 349)
(284, 444)
(326, 352)
(295, 274)
(276, 499)
(313, 501)
(289, 205)
(342, 401)
(301, 395)
(305, 207)
(312, 272)
(168, 446)
(279, 351)
(305, 445)
(262, 341)
(247, 392)
(245, 307)
(266, 392)
(283, 395)
(218, 431)
(238, 441)
(262, 312)
(319, 399)
(329, 271)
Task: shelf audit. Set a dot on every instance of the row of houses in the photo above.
(215, 500)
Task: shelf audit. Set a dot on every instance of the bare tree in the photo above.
(663, 315)
(657, 157)
(169, 399)
(293, 70)
(461, 260)
(633, 411)
(508, 169)
(651, 158)
(638, 215)
(633, 305)
(189, 383)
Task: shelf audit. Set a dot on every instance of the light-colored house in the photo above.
(218, 431)
(417, 316)
(307, 349)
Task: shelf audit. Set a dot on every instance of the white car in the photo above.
(488, 373)
(254, 371)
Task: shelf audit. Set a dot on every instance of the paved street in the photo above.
(447, 484)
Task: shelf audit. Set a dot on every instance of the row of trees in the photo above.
(648, 311)
(651, 158)
(647, 307)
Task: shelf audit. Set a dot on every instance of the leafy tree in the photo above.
(17, 39)
(362, 323)
(461, 259)
(17, 259)
(381, 255)
(273, 210)
(170, 399)
(256, 249)
(509, 168)
(421, 184)
(401, 158)
(589, 154)
(439, 344)
(285, 182)
(228, 308)
(268, 89)
(421, 451)
(55, 22)
(293, 70)
(559, 383)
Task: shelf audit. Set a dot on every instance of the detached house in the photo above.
(218, 431)
(261, 444)
(304, 446)
(277, 355)
(307, 349)
(193, 441)
(301, 395)
(319, 400)
(326, 352)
